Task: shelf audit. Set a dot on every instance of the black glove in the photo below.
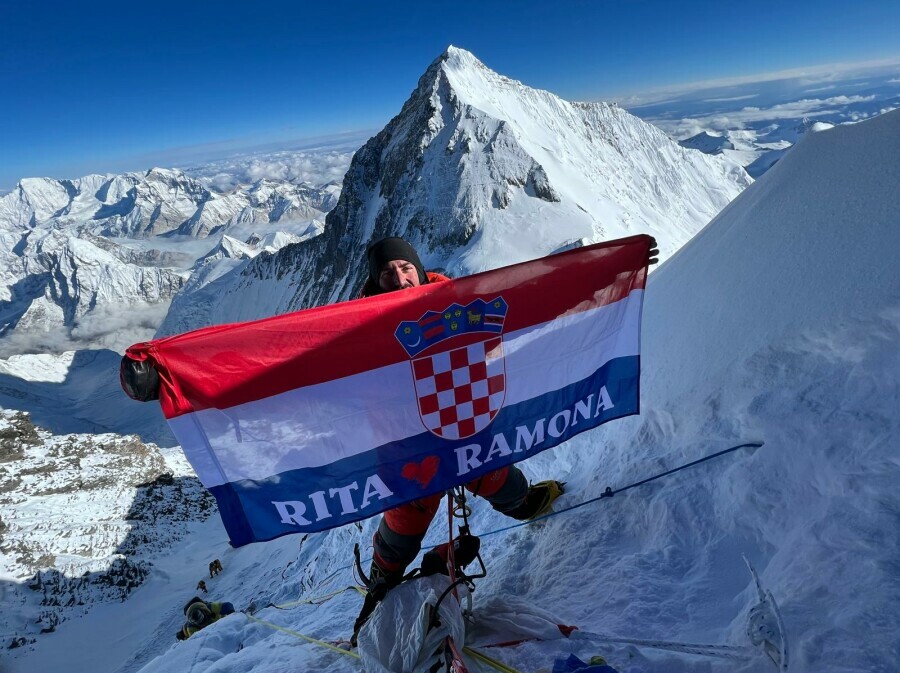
(139, 379)
(653, 255)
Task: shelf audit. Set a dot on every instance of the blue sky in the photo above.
(103, 87)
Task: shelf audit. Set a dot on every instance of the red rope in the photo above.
(459, 665)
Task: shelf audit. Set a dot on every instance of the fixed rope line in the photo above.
(609, 492)
(301, 636)
(310, 601)
(485, 659)
(727, 652)
(733, 652)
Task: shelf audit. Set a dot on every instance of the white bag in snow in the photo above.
(507, 619)
(396, 639)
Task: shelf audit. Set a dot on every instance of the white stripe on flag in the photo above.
(320, 424)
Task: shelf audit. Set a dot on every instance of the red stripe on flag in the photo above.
(226, 365)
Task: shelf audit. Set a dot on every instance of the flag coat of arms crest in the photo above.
(311, 420)
(457, 365)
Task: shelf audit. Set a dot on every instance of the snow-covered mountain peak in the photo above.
(232, 248)
(708, 142)
(481, 87)
(478, 171)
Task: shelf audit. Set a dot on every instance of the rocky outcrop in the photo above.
(84, 515)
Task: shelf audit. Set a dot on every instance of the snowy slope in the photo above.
(82, 518)
(78, 392)
(780, 321)
(478, 171)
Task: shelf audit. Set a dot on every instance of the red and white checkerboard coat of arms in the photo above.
(460, 374)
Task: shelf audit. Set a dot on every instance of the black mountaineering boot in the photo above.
(538, 501)
(380, 582)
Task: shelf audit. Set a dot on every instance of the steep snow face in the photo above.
(479, 171)
(160, 201)
(823, 234)
(779, 321)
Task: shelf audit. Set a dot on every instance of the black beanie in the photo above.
(391, 249)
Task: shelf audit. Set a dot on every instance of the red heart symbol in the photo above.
(423, 472)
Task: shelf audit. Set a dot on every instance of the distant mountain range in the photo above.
(160, 201)
(73, 251)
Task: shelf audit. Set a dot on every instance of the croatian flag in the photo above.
(315, 419)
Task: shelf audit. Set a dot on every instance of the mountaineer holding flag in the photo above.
(310, 420)
(394, 265)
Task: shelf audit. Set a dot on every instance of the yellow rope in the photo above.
(499, 665)
(300, 635)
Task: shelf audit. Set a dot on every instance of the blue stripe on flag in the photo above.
(355, 488)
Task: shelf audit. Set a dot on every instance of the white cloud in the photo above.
(806, 77)
(738, 119)
(111, 326)
(315, 168)
(732, 98)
